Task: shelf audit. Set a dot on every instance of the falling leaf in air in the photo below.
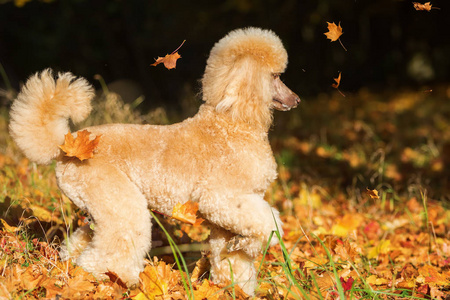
(187, 213)
(426, 6)
(170, 60)
(334, 33)
(373, 194)
(81, 147)
(338, 82)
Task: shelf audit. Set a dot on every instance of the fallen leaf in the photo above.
(157, 279)
(202, 266)
(347, 225)
(382, 248)
(187, 213)
(347, 284)
(81, 147)
(373, 194)
(374, 280)
(9, 228)
(433, 276)
(116, 279)
(170, 60)
(207, 291)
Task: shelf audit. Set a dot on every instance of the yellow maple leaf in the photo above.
(81, 147)
(374, 280)
(346, 225)
(8, 227)
(382, 248)
(207, 291)
(157, 279)
(187, 213)
(433, 276)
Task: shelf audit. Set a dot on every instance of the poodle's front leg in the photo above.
(243, 225)
(228, 266)
(248, 215)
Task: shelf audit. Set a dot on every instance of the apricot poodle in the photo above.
(220, 158)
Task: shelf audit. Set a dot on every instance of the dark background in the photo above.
(120, 39)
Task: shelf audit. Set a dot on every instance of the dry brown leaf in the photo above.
(116, 279)
(202, 266)
(187, 213)
(426, 6)
(170, 60)
(81, 147)
(373, 194)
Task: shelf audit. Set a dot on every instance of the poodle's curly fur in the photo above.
(220, 158)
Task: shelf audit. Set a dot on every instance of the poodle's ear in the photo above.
(244, 92)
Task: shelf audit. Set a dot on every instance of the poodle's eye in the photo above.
(276, 75)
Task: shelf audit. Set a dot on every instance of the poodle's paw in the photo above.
(64, 254)
(72, 247)
(128, 271)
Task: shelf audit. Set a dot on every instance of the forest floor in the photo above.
(363, 189)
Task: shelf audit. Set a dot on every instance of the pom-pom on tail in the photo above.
(40, 114)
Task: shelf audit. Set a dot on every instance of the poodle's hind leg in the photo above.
(231, 265)
(76, 243)
(122, 225)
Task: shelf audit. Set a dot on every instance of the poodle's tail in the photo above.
(40, 114)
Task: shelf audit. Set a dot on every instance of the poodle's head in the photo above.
(242, 76)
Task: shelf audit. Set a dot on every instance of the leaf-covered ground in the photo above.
(364, 189)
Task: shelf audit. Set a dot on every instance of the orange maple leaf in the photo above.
(81, 147)
(338, 81)
(334, 32)
(426, 6)
(187, 213)
(170, 60)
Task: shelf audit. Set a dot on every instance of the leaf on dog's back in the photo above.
(187, 213)
(81, 147)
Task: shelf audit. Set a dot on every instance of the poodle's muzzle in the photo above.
(283, 98)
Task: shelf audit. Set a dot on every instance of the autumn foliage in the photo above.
(362, 191)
